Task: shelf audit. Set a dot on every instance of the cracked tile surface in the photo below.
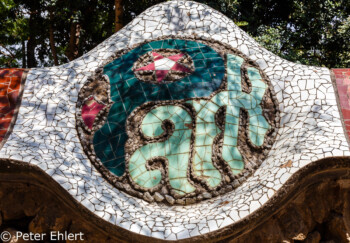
(45, 134)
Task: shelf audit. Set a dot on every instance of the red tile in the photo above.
(89, 112)
(346, 113)
(340, 69)
(342, 76)
(10, 85)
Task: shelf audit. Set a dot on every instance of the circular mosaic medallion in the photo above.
(177, 121)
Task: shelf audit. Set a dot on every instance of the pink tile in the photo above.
(89, 112)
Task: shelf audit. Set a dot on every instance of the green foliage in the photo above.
(24, 20)
(270, 38)
(314, 32)
(13, 30)
(344, 31)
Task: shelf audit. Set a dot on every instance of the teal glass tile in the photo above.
(193, 44)
(156, 44)
(237, 165)
(129, 75)
(170, 43)
(176, 149)
(199, 63)
(118, 168)
(253, 74)
(145, 48)
(181, 43)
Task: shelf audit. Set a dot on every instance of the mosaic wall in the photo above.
(179, 107)
(10, 88)
(187, 119)
(342, 79)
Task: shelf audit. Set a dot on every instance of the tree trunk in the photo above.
(24, 60)
(31, 62)
(52, 39)
(73, 48)
(118, 15)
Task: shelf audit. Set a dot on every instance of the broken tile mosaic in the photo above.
(342, 79)
(127, 92)
(164, 68)
(10, 87)
(161, 138)
(50, 134)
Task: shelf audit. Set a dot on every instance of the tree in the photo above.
(46, 33)
(313, 32)
(118, 15)
(13, 31)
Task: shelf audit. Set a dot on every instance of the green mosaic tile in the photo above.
(176, 150)
(206, 130)
(156, 44)
(234, 100)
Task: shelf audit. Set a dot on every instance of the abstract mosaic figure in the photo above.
(176, 149)
(185, 118)
(234, 100)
